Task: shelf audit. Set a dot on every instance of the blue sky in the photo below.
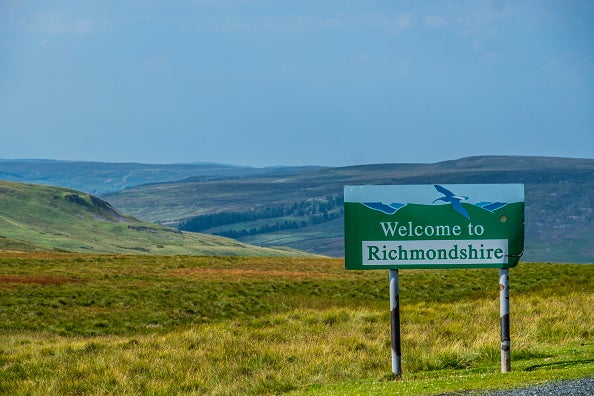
(295, 82)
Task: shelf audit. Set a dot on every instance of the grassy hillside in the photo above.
(303, 210)
(34, 217)
(93, 324)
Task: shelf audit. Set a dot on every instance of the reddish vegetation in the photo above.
(37, 279)
(36, 255)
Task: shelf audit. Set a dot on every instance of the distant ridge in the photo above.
(301, 207)
(105, 177)
(304, 209)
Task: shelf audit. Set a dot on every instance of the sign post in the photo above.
(435, 226)
(395, 323)
(504, 318)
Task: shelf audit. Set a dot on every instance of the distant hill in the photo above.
(303, 209)
(105, 177)
(47, 218)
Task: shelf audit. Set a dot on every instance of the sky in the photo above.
(271, 82)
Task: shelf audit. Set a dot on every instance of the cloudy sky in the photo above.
(270, 82)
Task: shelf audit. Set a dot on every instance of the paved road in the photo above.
(581, 387)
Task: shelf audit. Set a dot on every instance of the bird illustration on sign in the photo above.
(448, 197)
(453, 199)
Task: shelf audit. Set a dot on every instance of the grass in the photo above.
(93, 324)
(35, 217)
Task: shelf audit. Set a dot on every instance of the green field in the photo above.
(124, 324)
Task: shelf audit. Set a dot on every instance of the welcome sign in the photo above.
(433, 226)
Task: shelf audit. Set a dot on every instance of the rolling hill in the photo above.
(47, 218)
(303, 209)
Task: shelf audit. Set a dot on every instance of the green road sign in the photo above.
(433, 226)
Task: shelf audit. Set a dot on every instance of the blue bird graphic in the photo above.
(453, 199)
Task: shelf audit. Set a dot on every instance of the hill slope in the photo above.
(304, 209)
(34, 217)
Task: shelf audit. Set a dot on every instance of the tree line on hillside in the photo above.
(312, 211)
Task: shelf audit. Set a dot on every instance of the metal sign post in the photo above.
(435, 226)
(504, 315)
(395, 323)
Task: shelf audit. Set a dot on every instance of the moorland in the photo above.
(301, 207)
(146, 324)
(303, 210)
(166, 311)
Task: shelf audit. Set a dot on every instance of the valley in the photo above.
(304, 210)
(301, 207)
